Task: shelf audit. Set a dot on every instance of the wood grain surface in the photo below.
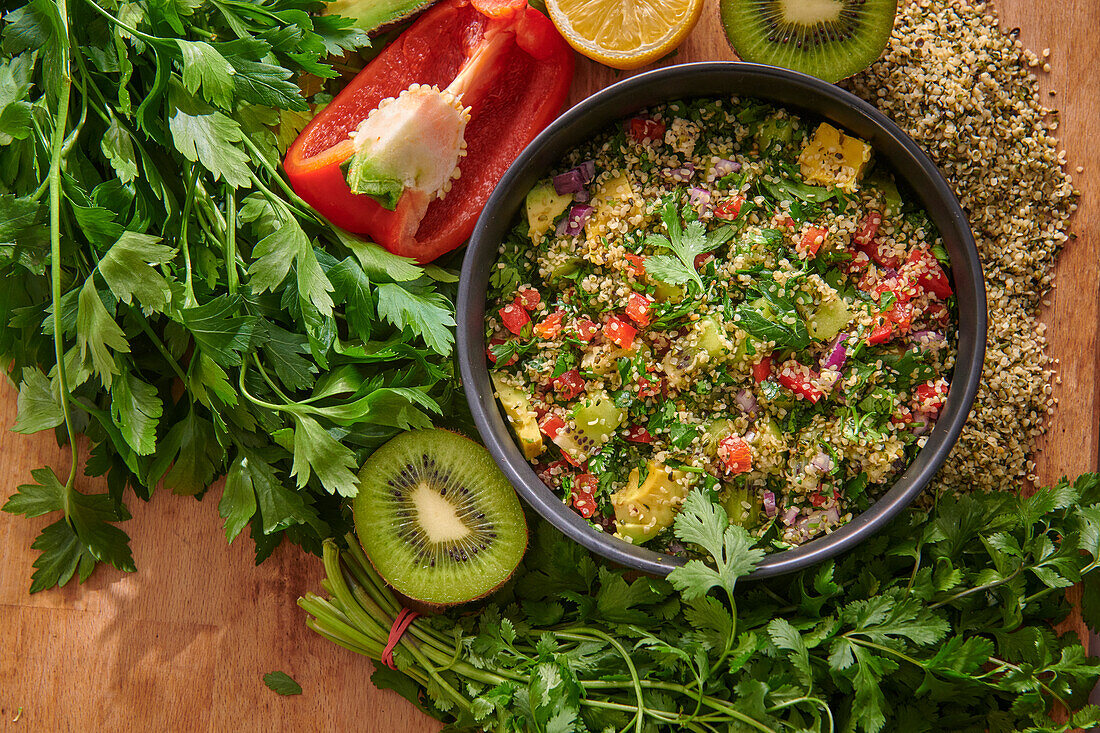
(182, 643)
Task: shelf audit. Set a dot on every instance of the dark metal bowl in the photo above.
(722, 79)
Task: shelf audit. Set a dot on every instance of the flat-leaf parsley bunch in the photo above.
(206, 319)
(943, 622)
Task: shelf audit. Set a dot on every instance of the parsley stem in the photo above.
(56, 153)
(977, 589)
(129, 29)
(189, 284)
(168, 358)
(231, 239)
(270, 382)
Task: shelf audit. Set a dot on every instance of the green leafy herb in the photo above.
(685, 243)
(943, 622)
(282, 683)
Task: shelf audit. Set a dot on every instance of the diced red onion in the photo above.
(569, 182)
(928, 339)
(573, 223)
(698, 196)
(769, 503)
(823, 462)
(925, 424)
(888, 273)
(746, 400)
(725, 166)
(588, 171)
(582, 197)
(832, 514)
(838, 355)
(682, 174)
(750, 436)
(790, 515)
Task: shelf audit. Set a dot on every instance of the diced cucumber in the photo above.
(711, 337)
(597, 417)
(714, 432)
(742, 507)
(773, 130)
(829, 319)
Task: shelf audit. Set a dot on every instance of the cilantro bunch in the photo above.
(206, 321)
(943, 622)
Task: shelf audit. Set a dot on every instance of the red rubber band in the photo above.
(400, 625)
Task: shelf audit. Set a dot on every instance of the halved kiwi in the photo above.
(830, 39)
(437, 518)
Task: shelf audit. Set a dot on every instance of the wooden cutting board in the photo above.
(182, 643)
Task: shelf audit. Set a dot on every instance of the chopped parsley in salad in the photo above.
(721, 294)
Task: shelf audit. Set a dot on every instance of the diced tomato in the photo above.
(649, 387)
(930, 397)
(735, 453)
(799, 379)
(881, 333)
(637, 434)
(865, 233)
(550, 327)
(786, 221)
(638, 308)
(585, 329)
(901, 315)
(644, 130)
(859, 262)
(818, 499)
(635, 265)
(551, 425)
(514, 318)
(568, 384)
(619, 331)
(584, 494)
(528, 298)
(492, 357)
(897, 284)
(702, 259)
(875, 251)
(729, 209)
(924, 266)
(762, 369)
(812, 239)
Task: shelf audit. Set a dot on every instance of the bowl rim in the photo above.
(471, 299)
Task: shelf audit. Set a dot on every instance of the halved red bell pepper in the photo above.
(513, 97)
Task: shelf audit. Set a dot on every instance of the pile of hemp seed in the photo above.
(967, 92)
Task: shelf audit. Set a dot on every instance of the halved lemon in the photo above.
(624, 34)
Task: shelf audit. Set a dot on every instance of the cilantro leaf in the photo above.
(703, 523)
(282, 683)
(685, 243)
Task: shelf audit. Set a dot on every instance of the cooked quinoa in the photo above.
(719, 294)
(966, 91)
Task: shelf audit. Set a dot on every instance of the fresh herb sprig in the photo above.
(207, 320)
(943, 622)
(685, 243)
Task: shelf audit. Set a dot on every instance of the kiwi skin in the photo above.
(831, 50)
(427, 482)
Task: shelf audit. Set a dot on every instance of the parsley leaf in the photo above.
(425, 312)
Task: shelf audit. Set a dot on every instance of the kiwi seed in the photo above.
(437, 518)
(830, 39)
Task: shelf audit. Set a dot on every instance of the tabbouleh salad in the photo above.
(721, 293)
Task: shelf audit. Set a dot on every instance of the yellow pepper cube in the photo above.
(832, 158)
